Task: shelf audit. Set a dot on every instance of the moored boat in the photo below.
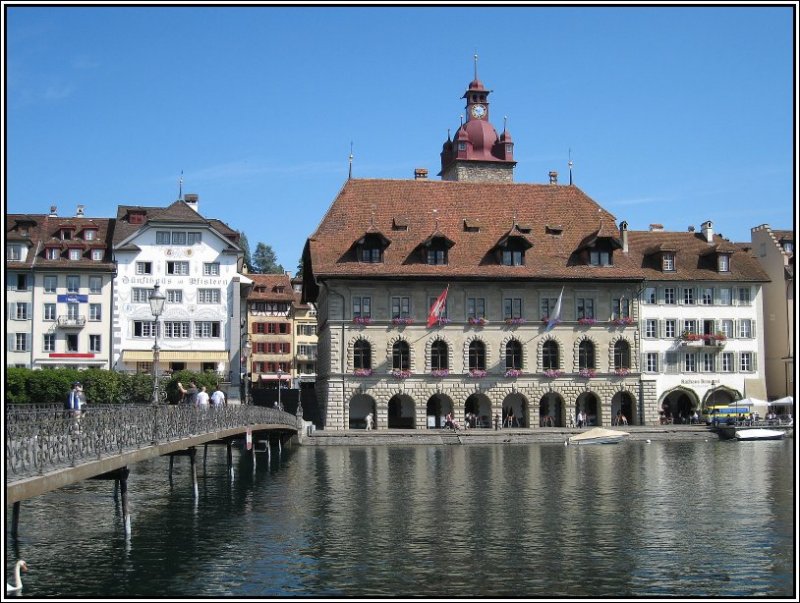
(598, 435)
(759, 433)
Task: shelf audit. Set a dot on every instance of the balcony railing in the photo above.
(71, 322)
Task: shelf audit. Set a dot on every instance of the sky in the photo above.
(671, 115)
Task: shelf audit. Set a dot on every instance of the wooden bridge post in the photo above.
(123, 489)
(229, 444)
(253, 456)
(192, 455)
(15, 519)
(171, 463)
(205, 456)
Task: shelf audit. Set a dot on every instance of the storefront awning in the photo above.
(275, 377)
(174, 356)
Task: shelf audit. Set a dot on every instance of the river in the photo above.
(637, 519)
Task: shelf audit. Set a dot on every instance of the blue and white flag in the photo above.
(555, 316)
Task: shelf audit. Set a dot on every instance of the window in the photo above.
(746, 362)
(584, 307)
(512, 308)
(550, 360)
(21, 342)
(670, 328)
(649, 295)
(194, 238)
(439, 360)
(49, 312)
(362, 307)
(723, 262)
(788, 246)
(89, 234)
(211, 269)
(436, 256)
(727, 362)
(621, 308)
(95, 312)
(724, 296)
(586, 355)
(73, 284)
(176, 329)
(144, 268)
(651, 362)
(73, 311)
(432, 300)
(362, 355)
(94, 343)
(49, 342)
(50, 283)
(178, 268)
(208, 296)
(745, 328)
(401, 356)
(669, 295)
(476, 307)
(513, 355)
(668, 262)
(707, 362)
(162, 237)
(600, 258)
(52, 253)
(144, 328)
(75, 254)
(688, 296)
(178, 238)
(477, 355)
(689, 326)
(14, 253)
(97, 255)
(690, 363)
(21, 311)
(671, 362)
(547, 306)
(622, 355)
(140, 295)
(206, 329)
(95, 284)
(744, 296)
(512, 257)
(401, 307)
(174, 296)
(651, 328)
(707, 296)
(66, 234)
(726, 326)
(72, 343)
(22, 282)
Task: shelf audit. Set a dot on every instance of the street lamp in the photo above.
(248, 349)
(157, 300)
(279, 389)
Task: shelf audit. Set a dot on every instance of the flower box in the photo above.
(362, 320)
(362, 372)
(587, 373)
(624, 321)
(515, 321)
(622, 372)
(553, 373)
(443, 321)
(546, 321)
(477, 321)
(402, 322)
(686, 336)
(512, 373)
(477, 373)
(400, 374)
(440, 373)
(587, 321)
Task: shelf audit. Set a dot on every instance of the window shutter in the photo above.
(29, 310)
(662, 329)
(753, 328)
(10, 338)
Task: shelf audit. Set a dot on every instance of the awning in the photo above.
(174, 356)
(284, 377)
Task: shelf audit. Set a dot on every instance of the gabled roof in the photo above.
(271, 287)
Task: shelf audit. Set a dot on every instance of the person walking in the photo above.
(202, 397)
(191, 394)
(217, 397)
(73, 404)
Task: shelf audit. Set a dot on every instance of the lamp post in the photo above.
(248, 349)
(156, 308)
(280, 407)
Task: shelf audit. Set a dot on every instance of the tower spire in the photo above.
(350, 172)
(570, 166)
(475, 57)
(180, 186)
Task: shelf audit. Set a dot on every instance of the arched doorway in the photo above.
(437, 408)
(401, 412)
(622, 402)
(720, 396)
(515, 411)
(551, 411)
(678, 405)
(590, 405)
(360, 406)
(480, 406)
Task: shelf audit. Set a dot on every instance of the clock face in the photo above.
(478, 111)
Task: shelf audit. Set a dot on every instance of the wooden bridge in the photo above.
(47, 449)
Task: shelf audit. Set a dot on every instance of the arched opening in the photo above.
(439, 361)
(586, 354)
(552, 412)
(401, 356)
(478, 411)
(515, 411)
(513, 355)
(720, 396)
(588, 403)
(622, 409)
(678, 406)
(401, 412)
(550, 360)
(360, 406)
(437, 408)
(362, 355)
(622, 355)
(477, 355)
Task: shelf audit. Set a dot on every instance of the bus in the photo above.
(716, 415)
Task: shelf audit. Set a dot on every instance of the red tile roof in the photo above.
(271, 287)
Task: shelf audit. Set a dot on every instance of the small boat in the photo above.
(598, 435)
(759, 433)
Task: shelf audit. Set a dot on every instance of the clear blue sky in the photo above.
(673, 115)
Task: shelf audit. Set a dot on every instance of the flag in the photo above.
(555, 317)
(437, 308)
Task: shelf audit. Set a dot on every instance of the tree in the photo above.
(265, 261)
(245, 245)
(299, 273)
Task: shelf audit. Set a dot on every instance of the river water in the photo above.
(683, 519)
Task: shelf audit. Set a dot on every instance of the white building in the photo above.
(700, 318)
(196, 262)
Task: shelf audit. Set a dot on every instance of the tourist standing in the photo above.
(202, 397)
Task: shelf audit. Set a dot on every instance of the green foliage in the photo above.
(100, 386)
(17, 385)
(265, 261)
(51, 386)
(208, 378)
(245, 245)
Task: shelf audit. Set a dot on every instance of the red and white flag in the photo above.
(438, 308)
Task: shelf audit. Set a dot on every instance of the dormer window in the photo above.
(369, 249)
(435, 249)
(511, 248)
(668, 262)
(52, 253)
(513, 257)
(788, 246)
(66, 234)
(89, 234)
(600, 257)
(75, 254)
(136, 217)
(723, 262)
(97, 255)
(14, 253)
(371, 255)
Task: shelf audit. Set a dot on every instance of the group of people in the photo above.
(620, 419)
(194, 396)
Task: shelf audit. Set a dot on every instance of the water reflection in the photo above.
(667, 518)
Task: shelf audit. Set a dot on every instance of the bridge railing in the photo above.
(42, 438)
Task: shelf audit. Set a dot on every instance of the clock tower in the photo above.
(476, 152)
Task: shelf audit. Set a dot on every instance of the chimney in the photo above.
(623, 228)
(420, 174)
(656, 227)
(553, 177)
(191, 200)
(79, 213)
(691, 228)
(53, 212)
(707, 228)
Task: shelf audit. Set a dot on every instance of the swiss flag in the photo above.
(437, 308)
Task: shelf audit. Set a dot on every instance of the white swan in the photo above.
(17, 586)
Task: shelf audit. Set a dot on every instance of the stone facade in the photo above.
(477, 171)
